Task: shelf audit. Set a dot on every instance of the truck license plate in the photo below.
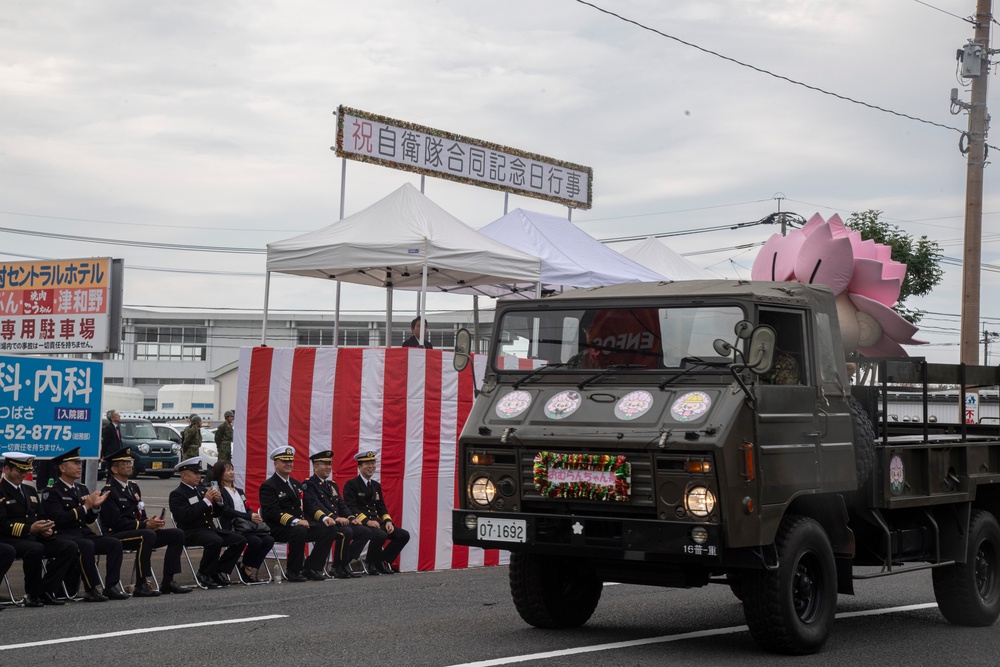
(502, 530)
(157, 464)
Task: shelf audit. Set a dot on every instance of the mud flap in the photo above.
(845, 573)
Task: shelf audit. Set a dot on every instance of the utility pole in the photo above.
(977, 50)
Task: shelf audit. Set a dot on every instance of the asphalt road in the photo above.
(466, 617)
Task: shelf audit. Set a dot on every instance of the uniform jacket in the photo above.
(190, 441)
(280, 502)
(124, 509)
(224, 434)
(366, 504)
(17, 513)
(322, 499)
(63, 503)
(189, 509)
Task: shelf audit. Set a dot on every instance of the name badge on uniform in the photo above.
(193, 500)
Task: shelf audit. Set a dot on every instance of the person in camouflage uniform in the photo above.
(224, 437)
(784, 370)
(191, 438)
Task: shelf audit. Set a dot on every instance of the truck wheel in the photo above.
(552, 594)
(790, 609)
(864, 442)
(735, 581)
(969, 593)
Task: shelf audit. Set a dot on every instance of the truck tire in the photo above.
(549, 593)
(969, 593)
(790, 609)
(735, 581)
(864, 442)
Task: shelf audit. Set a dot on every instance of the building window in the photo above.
(108, 380)
(201, 406)
(148, 404)
(171, 343)
(167, 406)
(349, 337)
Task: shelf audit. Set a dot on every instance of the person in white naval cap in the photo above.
(195, 512)
(281, 507)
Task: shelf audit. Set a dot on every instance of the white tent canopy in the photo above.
(389, 243)
(654, 254)
(571, 258)
(403, 240)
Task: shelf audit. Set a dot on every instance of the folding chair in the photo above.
(96, 528)
(187, 556)
(10, 601)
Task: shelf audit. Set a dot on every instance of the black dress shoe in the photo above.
(207, 581)
(173, 587)
(372, 569)
(295, 577)
(313, 575)
(50, 599)
(142, 590)
(348, 573)
(221, 579)
(113, 593)
(385, 568)
(94, 595)
(33, 601)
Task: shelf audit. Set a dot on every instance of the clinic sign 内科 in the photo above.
(56, 306)
(401, 145)
(49, 406)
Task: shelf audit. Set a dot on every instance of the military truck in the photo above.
(703, 432)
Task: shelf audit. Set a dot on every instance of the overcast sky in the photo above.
(211, 123)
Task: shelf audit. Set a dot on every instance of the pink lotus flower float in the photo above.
(861, 273)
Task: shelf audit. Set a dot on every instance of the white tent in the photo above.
(571, 258)
(654, 254)
(402, 240)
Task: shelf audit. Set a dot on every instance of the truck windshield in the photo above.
(639, 338)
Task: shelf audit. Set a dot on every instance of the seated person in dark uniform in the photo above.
(72, 506)
(24, 527)
(364, 496)
(414, 339)
(195, 513)
(237, 516)
(322, 502)
(281, 507)
(124, 517)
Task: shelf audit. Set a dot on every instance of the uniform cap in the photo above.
(193, 463)
(18, 460)
(283, 453)
(364, 457)
(123, 454)
(325, 456)
(71, 455)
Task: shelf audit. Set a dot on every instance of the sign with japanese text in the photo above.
(401, 145)
(49, 406)
(56, 306)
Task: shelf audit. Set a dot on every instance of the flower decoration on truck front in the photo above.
(862, 274)
(587, 476)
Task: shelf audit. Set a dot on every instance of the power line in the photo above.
(681, 210)
(960, 18)
(147, 224)
(768, 72)
(139, 244)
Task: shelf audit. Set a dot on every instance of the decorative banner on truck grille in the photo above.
(587, 476)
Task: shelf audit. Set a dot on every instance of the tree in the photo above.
(922, 257)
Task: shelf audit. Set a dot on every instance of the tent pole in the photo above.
(475, 322)
(267, 291)
(423, 302)
(506, 198)
(336, 312)
(569, 213)
(388, 316)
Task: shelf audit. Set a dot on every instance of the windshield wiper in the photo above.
(596, 376)
(697, 363)
(535, 372)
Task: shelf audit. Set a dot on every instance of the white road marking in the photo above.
(668, 638)
(139, 631)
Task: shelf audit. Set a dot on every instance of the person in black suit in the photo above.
(364, 496)
(123, 516)
(414, 339)
(281, 507)
(322, 502)
(72, 506)
(24, 527)
(254, 530)
(111, 435)
(194, 512)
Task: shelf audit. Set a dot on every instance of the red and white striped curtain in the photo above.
(408, 405)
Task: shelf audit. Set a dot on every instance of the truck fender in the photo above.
(830, 511)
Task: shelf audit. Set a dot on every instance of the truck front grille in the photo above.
(640, 497)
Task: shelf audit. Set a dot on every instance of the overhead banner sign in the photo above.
(401, 145)
(50, 406)
(56, 306)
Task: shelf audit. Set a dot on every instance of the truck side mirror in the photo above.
(743, 329)
(722, 347)
(463, 343)
(760, 351)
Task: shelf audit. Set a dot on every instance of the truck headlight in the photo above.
(144, 448)
(482, 491)
(699, 501)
